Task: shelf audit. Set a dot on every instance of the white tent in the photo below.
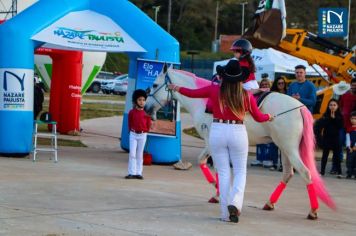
(271, 61)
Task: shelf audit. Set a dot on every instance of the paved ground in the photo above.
(85, 194)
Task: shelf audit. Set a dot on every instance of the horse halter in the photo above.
(167, 81)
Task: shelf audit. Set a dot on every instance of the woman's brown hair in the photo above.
(234, 97)
(252, 66)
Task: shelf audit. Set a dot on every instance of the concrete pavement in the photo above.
(86, 194)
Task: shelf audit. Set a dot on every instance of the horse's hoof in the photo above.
(213, 200)
(312, 216)
(268, 207)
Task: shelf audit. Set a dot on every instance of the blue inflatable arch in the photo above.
(17, 62)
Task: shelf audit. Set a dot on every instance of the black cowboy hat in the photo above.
(138, 93)
(232, 72)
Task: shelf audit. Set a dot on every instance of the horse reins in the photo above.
(167, 80)
(288, 111)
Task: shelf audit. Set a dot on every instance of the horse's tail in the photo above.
(306, 149)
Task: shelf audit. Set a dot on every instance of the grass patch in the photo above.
(103, 97)
(89, 111)
(60, 142)
(96, 110)
(192, 132)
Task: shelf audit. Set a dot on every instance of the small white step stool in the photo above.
(52, 136)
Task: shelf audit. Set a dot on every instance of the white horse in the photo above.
(291, 131)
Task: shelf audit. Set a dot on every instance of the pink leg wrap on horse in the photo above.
(277, 192)
(217, 184)
(312, 197)
(207, 173)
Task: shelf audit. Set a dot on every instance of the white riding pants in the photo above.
(137, 145)
(229, 143)
(252, 84)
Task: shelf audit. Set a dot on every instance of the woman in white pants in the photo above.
(228, 138)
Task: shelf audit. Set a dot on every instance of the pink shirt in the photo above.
(212, 92)
(139, 121)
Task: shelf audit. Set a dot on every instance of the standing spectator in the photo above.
(351, 147)
(302, 89)
(348, 104)
(270, 160)
(139, 125)
(38, 98)
(340, 89)
(279, 85)
(265, 84)
(228, 140)
(328, 129)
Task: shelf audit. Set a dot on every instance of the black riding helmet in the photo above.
(138, 93)
(242, 44)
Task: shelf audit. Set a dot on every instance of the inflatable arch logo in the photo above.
(13, 95)
(88, 34)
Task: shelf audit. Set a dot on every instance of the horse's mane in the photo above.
(199, 82)
(196, 81)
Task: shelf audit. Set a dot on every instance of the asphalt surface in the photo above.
(85, 193)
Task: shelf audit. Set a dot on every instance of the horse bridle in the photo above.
(167, 81)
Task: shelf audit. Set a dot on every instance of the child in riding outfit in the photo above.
(242, 50)
(228, 139)
(139, 125)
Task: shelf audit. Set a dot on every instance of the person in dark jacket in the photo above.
(38, 99)
(329, 127)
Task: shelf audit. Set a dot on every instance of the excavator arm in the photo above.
(339, 67)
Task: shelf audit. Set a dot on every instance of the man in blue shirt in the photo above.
(303, 89)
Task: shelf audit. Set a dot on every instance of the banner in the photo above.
(87, 30)
(16, 90)
(333, 22)
(147, 72)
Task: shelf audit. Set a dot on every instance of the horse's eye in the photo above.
(155, 85)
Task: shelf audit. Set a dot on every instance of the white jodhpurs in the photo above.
(252, 84)
(229, 143)
(137, 144)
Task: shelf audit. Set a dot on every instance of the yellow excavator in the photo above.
(337, 61)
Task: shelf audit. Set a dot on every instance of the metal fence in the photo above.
(201, 67)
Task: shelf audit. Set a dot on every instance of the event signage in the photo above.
(147, 72)
(333, 22)
(16, 90)
(87, 30)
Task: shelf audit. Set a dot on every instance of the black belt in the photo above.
(137, 132)
(216, 120)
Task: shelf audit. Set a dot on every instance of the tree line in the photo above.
(192, 22)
